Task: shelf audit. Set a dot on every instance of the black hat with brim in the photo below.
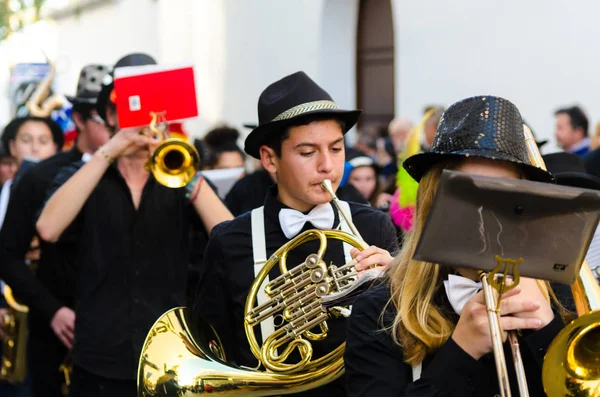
(483, 127)
(569, 170)
(285, 102)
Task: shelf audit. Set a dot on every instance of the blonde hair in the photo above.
(420, 326)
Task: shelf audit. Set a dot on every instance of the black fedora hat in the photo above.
(293, 97)
(136, 59)
(569, 170)
(483, 126)
(89, 84)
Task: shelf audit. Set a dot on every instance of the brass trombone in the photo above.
(497, 280)
(174, 162)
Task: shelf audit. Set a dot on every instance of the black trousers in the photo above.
(86, 384)
(46, 354)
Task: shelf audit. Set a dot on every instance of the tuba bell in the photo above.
(174, 162)
(180, 360)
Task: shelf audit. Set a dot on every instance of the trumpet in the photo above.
(174, 162)
(178, 359)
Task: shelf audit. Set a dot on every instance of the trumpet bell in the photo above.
(174, 163)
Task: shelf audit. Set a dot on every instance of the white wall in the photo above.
(540, 55)
(338, 53)
(99, 35)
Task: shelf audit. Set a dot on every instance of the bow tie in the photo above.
(292, 221)
(459, 290)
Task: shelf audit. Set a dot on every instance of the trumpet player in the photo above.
(299, 141)
(132, 249)
(424, 332)
(50, 292)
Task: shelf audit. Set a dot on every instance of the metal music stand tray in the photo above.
(478, 222)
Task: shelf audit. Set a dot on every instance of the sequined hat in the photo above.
(89, 84)
(483, 126)
(293, 97)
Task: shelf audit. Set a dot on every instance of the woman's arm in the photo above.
(210, 208)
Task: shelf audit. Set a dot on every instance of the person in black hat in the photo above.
(569, 170)
(415, 334)
(133, 250)
(50, 292)
(300, 142)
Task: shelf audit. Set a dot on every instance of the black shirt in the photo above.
(54, 285)
(132, 268)
(249, 192)
(375, 365)
(230, 272)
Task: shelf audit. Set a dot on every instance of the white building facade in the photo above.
(540, 55)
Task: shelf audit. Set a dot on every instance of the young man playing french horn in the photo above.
(299, 140)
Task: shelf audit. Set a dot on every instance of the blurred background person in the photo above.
(364, 177)
(8, 166)
(223, 150)
(28, 138)
(571, 130)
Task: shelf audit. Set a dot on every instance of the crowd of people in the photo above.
(98, 249)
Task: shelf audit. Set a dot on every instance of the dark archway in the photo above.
(375, 63)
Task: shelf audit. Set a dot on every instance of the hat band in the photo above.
(305, 108)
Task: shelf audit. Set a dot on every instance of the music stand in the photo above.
(474, 220)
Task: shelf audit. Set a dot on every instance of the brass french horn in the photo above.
(180, 360)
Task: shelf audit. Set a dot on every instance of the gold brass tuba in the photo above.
(13, 368)
(40, 104)
(175, 162)
(180, 360)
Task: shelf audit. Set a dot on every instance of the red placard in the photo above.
(140, 90)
